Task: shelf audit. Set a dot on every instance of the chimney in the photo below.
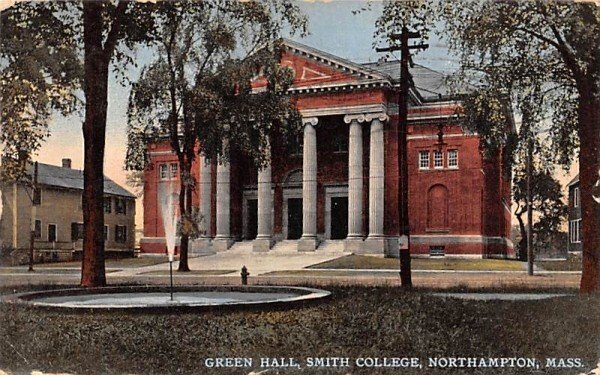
(66, 163)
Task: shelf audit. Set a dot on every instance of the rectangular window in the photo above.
(38, 229)
(438, 159)
(437, 251)
(52, 233)
(107, 205)
(340, 143)
(106, 233)
(163, 171)
(423, 159)
(120, 233)
(76, 231)
(37, 196)
(452, 158)
(174, 168)
(296, 146)
(576, 197)
(575, 231)
(120, 206)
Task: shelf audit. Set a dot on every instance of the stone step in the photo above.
(241, 247)
(286, 246)
(331, 246)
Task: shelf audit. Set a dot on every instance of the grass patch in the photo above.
(317, 273)
(436, 264)
(355, 322)
(193, 272)
(571, 264)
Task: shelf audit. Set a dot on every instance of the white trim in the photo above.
(576, 197)
(421, 159)
(436, 153)
(345, 110)
(331, 60)
(463, 135)
(574, 231)
(448, 158)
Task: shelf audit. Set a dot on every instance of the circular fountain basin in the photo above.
(153, 297)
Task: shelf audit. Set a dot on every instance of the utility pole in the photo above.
(33, 215)
(404, 226)
(530, 255)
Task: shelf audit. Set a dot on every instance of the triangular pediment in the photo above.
(315, 68)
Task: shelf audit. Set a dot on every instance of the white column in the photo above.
(264, 237)
(376, 179)
(205, 196)
(355, 181)
(223, 238)
(376, 241)
(308, 242)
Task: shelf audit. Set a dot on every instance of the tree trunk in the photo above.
(523, 241)
(94, 128)
(184, 197)
(589, 175)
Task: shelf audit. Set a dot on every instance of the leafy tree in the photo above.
(92, 34)
(547, 195)
(515, 52)
(39, 76)
(198, 92)
(549, 47)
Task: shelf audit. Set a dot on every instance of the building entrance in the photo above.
(339, 218)
(252, 219)
(294, 218)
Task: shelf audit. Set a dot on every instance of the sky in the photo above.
(333, 28)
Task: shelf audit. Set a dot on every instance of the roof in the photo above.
(429, 83)
(336, 61)
(55, 176)
(574, 180)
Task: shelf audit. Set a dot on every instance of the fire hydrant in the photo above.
(245, 275)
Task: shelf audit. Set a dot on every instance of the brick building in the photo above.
(58, 215)
(340, 182)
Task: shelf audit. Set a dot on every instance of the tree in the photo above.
(547, 201)
(198, 90)
(509, 50)
(94, 29)
(550, 46)
(39, 76)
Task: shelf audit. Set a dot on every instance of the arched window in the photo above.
(437, 207)
(294, 178)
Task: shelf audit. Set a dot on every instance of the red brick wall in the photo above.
(475, 191)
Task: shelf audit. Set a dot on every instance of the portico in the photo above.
(362, 235)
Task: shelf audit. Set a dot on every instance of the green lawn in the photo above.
(318, 273)
(192, 272)
(371, 262)
(355, 322)
(571, 264)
